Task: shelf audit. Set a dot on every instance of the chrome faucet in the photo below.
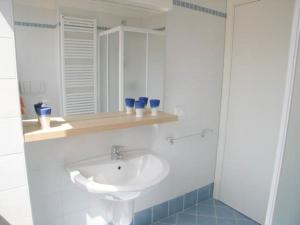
(116, 152)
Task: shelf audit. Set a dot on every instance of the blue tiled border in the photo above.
(49, 26)
(40, 25)
(173, 206)
(196, 7)
(53, 26)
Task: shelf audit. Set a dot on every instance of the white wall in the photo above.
(14, 196)
(195, 43)
(288, 196)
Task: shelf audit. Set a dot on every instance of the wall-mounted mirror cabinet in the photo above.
(87, 59)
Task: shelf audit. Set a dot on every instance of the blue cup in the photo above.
(44, 111)
(37, 106)
(129, 102)
(44, 114)
(139, 104)
(144, 99)
(154, 103)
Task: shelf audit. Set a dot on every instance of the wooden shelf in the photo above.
(76, 125)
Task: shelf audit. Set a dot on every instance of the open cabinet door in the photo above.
(256, 56)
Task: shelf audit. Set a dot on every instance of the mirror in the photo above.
(90, 58)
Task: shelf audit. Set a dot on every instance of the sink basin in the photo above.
(119, 180)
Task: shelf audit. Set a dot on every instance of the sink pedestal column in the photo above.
(122, 212)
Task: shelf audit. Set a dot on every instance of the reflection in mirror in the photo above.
(87, 59)
(131, 64)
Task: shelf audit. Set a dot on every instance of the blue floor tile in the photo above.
(225, 212)
(210, 202)
(191, 211)
(246, 222)
(220, 204)
(169, 220)
(206, 220)
(239, 215)
(207, 212)
(226, 221)
(186, 219)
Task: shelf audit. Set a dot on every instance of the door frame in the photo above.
(288, 95)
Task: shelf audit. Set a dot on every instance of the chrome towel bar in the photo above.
(203, 134)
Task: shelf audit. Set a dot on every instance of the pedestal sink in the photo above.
(120, 180)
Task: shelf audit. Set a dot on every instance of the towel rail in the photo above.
(203, 134)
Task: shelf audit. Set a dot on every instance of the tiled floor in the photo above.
(208, 212)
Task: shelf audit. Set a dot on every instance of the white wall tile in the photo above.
(10, 128)
(15, 206)
(9, 98)
(8, 67)
(50, 221)
(47, 206)
(6, 19)
(12, 171)
(74, 200)
(45, 181)
(79, 218)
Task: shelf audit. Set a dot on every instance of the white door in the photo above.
(257, 40)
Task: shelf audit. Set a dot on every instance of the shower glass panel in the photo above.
(108, 78)
(102, 77)
(156, 66)
(135, 47)
(113, 72)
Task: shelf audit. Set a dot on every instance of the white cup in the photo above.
(154, 111)
(139, 112)
(129, 110)
(45, 122)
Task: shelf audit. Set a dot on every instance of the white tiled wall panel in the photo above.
(9, 97)
(15, 206)
(46, 207)
(50, 221)
(12, 171)
(6, 19)
(45, 181)
(71, 204)
(8, 67)
(10, 128)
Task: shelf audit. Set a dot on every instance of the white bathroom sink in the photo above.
(122, 179)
